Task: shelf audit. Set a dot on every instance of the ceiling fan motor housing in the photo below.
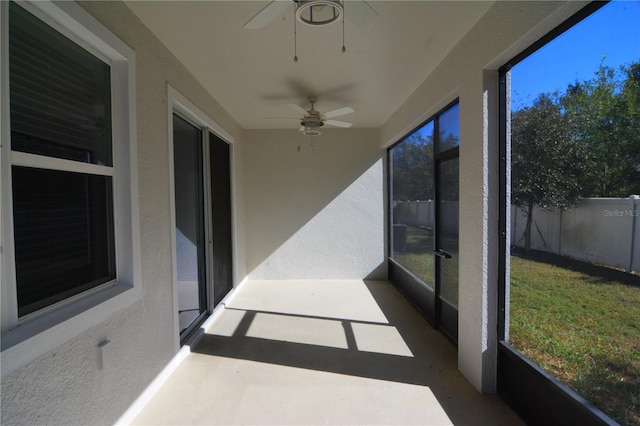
(312, 122)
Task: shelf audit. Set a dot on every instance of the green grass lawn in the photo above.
(418, 255)
(418, 258)
(578, 321)
(581, 323)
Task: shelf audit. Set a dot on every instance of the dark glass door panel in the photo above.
(190, 230)
(413, 205)
(447, 245)
(219, 154)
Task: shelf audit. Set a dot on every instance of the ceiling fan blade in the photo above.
(359, 12)
(338, 112)
(297, 108)
(268, 14)
(337, 123)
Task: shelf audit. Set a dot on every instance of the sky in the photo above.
(612, 33)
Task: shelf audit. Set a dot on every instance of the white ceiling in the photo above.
(251, 73)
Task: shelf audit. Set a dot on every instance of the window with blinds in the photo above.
(62, 165)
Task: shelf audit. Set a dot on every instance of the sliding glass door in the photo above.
(203, 221)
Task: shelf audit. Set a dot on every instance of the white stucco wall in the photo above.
(65, 385)
(315, 213)
(469, 73)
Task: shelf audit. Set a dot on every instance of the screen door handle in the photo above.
(442, 254)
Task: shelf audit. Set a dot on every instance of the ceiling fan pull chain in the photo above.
(344, 49)
(295, 37)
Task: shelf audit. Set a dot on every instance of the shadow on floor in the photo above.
(404, 350)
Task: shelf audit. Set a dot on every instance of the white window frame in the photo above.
(23, 340)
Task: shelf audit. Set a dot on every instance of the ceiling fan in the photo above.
(315, 12)
(312, 120)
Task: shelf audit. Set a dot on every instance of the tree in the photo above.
(413, 168)
(545, 162)
(582, 143)
(604, 117)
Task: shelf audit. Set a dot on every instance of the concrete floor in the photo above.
(322, 352)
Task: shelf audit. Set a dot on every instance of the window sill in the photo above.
(28, 341)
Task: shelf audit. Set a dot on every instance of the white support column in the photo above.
(477, 335)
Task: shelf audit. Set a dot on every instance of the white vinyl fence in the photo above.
(599, 230)
(422, 214)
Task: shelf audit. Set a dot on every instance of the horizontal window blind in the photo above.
(60, 106)
(63, 230)
(60, 94)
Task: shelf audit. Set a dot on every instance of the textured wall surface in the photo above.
(315, 213)
(66, 386)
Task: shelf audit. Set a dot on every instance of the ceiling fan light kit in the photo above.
(311, 131)
(311, 126)
(318, 12)
(314, 12)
